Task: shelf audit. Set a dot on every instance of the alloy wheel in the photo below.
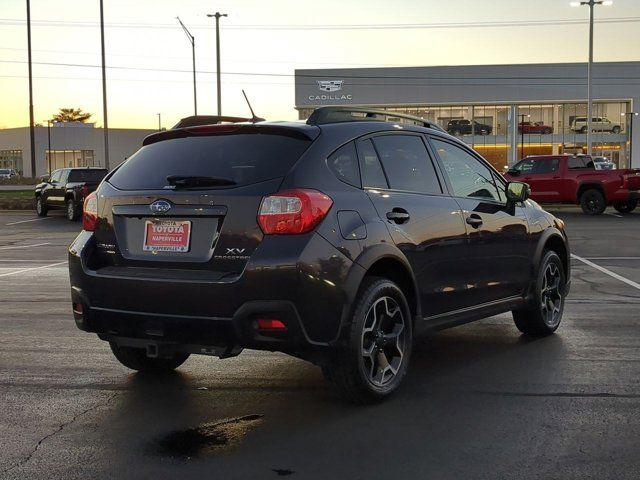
(70, 211)
(383, 342)
(551, 295)
(39, 206)
(593, 203)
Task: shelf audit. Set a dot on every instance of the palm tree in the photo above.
(71, 115)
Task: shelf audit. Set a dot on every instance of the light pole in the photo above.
(159, 122)
(520, 126)
(192, 40)
(591, 4)
(217, 16)
(104, 91)
(630, 116)
(32, 133)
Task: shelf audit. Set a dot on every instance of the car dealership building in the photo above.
(66, 144)
(524, 109)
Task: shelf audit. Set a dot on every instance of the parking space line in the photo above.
(25, 221)
(614, 214)
(606, 271)
(24, 270)
(12, 247)
(613, 258)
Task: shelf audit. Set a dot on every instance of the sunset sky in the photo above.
(149, 56)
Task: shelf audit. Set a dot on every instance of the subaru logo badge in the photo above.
(160, 206)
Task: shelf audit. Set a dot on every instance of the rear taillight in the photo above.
(90, 212)
(293, 211)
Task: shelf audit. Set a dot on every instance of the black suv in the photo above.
(336, 241)
(467, 127)
(67, 188)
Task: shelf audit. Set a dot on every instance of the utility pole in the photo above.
(192, 40)
(49, 143)
(32, 132)
(159, 122)
(217, 16)
(521, 127)
(104, 91)
(591, 4)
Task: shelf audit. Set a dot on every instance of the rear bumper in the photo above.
(304, 282)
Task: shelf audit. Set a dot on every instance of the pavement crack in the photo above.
(58, 429)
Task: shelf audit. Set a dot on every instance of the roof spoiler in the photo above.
(197, 120)
(326, 115)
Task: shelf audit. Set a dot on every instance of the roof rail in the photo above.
(197, 120)
(325, 115)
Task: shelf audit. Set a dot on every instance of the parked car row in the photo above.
(577, 125)
(8, 173)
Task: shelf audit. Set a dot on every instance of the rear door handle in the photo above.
(474, 220)
(398, 215)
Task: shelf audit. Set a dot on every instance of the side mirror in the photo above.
(517, 192)
(44, 178)
(513, 172)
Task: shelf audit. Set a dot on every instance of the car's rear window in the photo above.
(87, 175)
(241, 158)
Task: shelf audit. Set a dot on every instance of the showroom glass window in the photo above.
(468, 176)
(407, 164)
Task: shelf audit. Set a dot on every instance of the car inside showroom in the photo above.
(506, 115)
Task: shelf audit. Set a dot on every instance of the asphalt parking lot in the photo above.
(480, 401)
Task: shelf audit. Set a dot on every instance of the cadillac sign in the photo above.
(330, 86)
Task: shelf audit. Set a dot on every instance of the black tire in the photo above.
(583, 129)
(380, 329)
(456, 133)
(41, 207)
(543, 314)
(73, 210)
(625, 207)
(615, 130)
(136, 359)
(592, 202)
(547, 131)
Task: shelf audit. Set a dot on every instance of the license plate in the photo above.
(167, 236)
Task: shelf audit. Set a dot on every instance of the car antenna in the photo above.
(254, 119)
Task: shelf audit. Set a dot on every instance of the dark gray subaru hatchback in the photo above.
(337, 241)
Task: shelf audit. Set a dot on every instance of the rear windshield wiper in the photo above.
(194, 181)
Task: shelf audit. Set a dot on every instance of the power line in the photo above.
(379, 26)
(460, 81)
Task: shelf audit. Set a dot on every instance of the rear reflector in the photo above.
(77, 308)
(90, 212)
(293, 211)
(270, 324)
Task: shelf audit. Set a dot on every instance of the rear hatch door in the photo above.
(185, 206)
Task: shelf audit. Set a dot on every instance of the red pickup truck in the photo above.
(574, 179)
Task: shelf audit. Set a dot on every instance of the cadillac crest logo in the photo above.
(330, 85)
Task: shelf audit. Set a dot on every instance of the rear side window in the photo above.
(407, 164)
(344, 164)
(87, 175)
(575, 163)
(241, 158)
(372, 173)
(547, 165)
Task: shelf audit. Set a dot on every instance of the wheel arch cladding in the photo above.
(553, 240)
(590, 186)
(395, 270)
